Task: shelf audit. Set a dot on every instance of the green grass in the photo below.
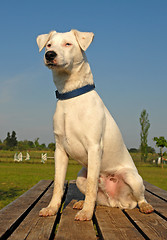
(16, 178)
(154, 175)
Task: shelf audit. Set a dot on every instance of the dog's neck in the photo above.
(79, 76)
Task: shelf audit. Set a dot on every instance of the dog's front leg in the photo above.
(94, 162)
(61, 162)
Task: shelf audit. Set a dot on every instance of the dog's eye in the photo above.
(49, 45)
(68, 44)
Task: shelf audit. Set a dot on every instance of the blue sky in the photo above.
(128, 58)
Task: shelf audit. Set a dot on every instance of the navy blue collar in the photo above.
(75, 93)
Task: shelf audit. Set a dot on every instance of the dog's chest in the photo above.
(68, 129)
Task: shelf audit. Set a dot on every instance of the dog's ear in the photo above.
(84, 39)
(43, 39)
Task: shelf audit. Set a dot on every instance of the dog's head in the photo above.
(64, 50)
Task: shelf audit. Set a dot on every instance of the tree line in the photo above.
(11, 143)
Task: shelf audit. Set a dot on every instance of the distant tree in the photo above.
(150, 149)
(145, 125)
(7, 141)
(42, 146)
(36, 143)
(51, 146)
(21, 146)
(133, 150)
(25, 145)
(38, 146)
(161, 142)
(31, 144)
(11, 140)
(1, 145)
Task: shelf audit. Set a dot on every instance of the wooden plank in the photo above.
(45, 225)
(159, 205)
(152, 225)
(156, 190)
(29, 224)
(43, 229)
(69, 228)
(33, 226)
(113, 224)
(11, 215)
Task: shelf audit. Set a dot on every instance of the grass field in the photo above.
(16, 178)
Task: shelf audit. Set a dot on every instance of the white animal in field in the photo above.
(85, 130)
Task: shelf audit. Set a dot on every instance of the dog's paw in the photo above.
(146, 208)
(78, 205)
(83, 215)
(48, 211)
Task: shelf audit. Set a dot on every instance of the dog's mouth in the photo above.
(51, 64)
(55, 65)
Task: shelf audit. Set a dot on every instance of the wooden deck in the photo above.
(19, 220)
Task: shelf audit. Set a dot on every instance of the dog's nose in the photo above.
(50, 55)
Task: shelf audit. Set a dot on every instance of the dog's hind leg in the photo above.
(81, 180)
(81, 184)
(135, 182)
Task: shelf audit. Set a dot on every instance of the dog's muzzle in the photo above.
(50, 55)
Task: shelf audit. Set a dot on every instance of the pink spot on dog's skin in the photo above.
(112, 184)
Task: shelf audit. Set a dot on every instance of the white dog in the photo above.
(85, 131)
